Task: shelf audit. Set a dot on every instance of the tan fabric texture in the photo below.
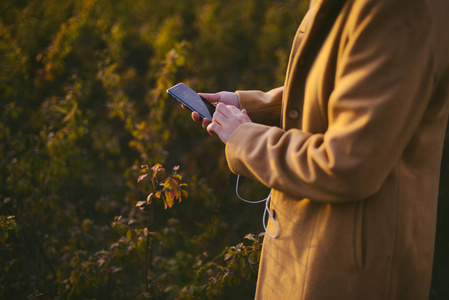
(351, 146)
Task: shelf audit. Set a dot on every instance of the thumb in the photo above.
(211, 97)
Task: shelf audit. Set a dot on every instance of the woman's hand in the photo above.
(226, 119)
(228, 98)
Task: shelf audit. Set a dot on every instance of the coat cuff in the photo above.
(236, 148)
(262, 108)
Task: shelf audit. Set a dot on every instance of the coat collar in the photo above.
(321, 16)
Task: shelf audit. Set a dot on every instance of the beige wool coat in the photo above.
(351, 146)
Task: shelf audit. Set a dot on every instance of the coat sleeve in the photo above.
(383, 82)
(262, 108)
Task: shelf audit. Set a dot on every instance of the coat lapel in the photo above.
(321, 17)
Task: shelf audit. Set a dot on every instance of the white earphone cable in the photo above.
(267, 209)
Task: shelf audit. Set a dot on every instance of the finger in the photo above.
(206, 122)
(245, 116)
(214, 128)
(240, 115)
(212, 98)
(231, 112)
(219, 118)
(224, 109)
(233, 109)
(196, 117)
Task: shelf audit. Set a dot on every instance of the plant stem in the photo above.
(148, 252)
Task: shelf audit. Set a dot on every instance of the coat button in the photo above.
(293, 114)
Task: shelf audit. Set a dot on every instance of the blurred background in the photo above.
(84, 107)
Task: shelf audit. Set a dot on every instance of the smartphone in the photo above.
(190, 99)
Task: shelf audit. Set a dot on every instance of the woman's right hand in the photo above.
(228, 98)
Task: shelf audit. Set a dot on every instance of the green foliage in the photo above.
(172, 187)
(82, 89)
(241, 263)
(83, 107)
(8, 225)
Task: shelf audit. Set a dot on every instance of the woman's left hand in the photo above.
(225, 121)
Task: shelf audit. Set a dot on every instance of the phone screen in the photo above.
(192, 100)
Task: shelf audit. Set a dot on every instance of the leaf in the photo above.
(172, 288)
(176, 177)
(168, 200)
(166, 184)
(141, 203)
(150, 196)
(157, 168)
(141, 177)
(171, 182)
(225, 275)
(101, 261)
(250, 236)
(173, 194)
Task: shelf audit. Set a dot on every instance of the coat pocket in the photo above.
(359, 235)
